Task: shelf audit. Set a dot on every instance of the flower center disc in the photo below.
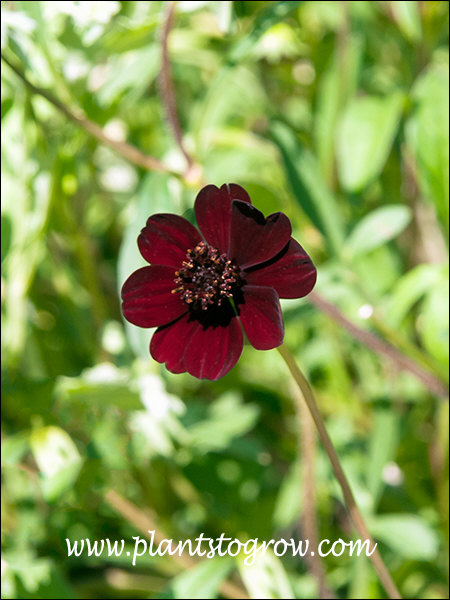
(206, 277)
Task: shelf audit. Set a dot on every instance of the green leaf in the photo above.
(427, 135)
(104, 385)
(287, 508)
(408, 535)
(271, 15)
(335, 89)
(227, 419)
(6, 235)
(365, 135)
(382, 448)
(6, 106)
(127, 75)
(57, 458)
(266, 577)
(308, 187)
(234, 92)
(434, 324)
(204, 580)
(378, 227)
(14, 447)
(123, 38)
(36, 577)
(223, 11)
(409, 290)
(407, 15)
(31, 571)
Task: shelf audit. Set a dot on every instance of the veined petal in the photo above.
(291, 272)
(166, 238)
(213, 351)
(254, 239)
(147, 299)
(213, 212)
(261, 317)
(168, 343)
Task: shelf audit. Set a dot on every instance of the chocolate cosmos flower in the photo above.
(202, 289)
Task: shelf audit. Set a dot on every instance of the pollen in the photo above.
(206, 278)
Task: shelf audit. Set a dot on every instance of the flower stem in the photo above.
(356, 516)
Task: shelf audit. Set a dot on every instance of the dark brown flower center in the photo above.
(206, 278)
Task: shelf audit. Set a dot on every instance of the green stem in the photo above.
(356, 516)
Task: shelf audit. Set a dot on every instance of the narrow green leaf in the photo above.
(6, 106)
(6, 234)
(434, 325)
(382, 448)
(223, 11)
(427, 135)
(308, 186)
(407, 15)
(229, 95)
(100, 394)
(123, 38)
(365, 135)
(228, 418)
(14, 447)
(410, 289)
(271, 15)
(202, 581)
(408, 535)
(378, 227)
(266, 577)
(287, 508)
(58, 460)
(336, 87)
(127, 75)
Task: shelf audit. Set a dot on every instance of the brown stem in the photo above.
(433, 383)
(128, 151)
(145, 523)
(307, 448)
(357, 518)
(166, 84)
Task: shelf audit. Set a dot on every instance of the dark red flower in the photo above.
(203, 290)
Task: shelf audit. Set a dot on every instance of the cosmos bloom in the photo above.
(203, 290)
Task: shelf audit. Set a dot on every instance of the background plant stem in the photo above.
(166, 84)
(307, 442)
(381, 347)
(145, 523)
(129, 152)
(356, 516)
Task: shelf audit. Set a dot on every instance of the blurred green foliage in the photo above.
(335, 113)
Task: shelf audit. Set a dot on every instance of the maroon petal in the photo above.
(168, 343)
(166, 239)
(254, 239)
(213, 212)
(213, 351)
(261, 317)
(147, 299)
(291, 273)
